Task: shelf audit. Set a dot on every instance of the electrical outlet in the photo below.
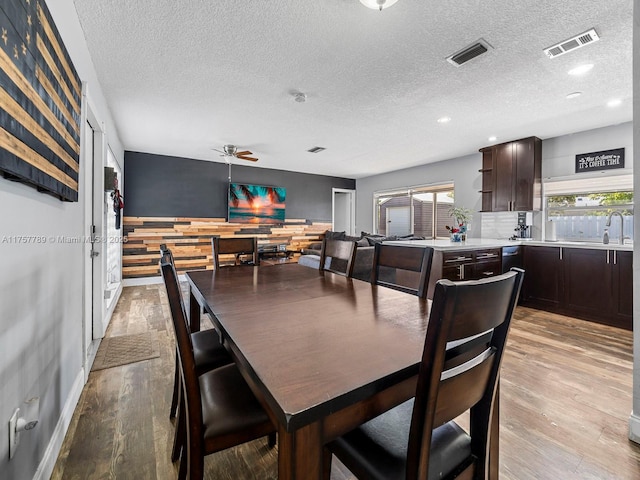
(14, 435)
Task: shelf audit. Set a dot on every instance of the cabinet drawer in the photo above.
(487, 269)
(489, 255)
(456, 258)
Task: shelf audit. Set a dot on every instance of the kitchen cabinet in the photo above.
(592, 284)
(511, 176)
(467, 264)
(542, 286)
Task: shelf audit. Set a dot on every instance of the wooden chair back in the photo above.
(466, 336)
(235, 246)
(402, 267)
(164, 250)
(186, 360)
(342, 254)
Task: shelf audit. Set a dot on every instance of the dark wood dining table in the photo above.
(323, 353)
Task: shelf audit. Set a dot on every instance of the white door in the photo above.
(398, 221)
(344, 211)
(92, 148)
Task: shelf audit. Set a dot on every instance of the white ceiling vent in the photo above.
(469, 53)
(570, 44)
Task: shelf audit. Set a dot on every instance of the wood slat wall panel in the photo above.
(190, 240)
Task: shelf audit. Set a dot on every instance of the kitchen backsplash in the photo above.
(499, 224)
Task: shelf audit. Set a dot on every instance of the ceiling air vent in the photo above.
(570, 44)
(316, 149)
(469, 53)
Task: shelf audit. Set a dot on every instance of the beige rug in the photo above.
(115, 351)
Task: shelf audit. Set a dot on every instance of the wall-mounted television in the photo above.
(256, 203)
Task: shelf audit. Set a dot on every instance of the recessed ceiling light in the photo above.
(493, 139)
(573, 95)
(614, 103)
(444, 119)
(581, 70)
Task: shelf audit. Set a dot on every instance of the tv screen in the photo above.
(256, 203)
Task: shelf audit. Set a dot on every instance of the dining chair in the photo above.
(402, 267)
(209, 353)
(237, 246)
(460, 369)
(337, 256)
(217, 408)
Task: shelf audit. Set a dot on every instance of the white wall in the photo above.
(41, 300)
(463, 171)
(558, 160)
(634, 419)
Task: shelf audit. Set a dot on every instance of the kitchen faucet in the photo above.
(608, 224)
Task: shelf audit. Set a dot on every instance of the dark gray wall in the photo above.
(163, 186)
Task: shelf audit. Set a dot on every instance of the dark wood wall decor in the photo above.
(40, 99)
(190, 240)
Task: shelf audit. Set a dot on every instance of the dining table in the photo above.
(323, 353)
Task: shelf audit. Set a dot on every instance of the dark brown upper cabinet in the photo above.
(511, 176)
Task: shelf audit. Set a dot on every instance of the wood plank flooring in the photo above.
(566, 400)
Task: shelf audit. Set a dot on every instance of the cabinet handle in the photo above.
(615, 257)
(458, 259)
(488, 273)
(486, 255)
(461, 275)
(607, 257)
(560, 253)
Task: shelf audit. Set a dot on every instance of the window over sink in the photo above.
(580, 207)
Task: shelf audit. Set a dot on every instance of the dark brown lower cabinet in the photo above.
(592, 284)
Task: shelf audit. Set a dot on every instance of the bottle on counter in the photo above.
(605, 236)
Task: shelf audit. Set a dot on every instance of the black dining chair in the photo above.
(459, 372)
(238, 246)
(402, 267)
(337, 256)
(208, 351)
(217, 409)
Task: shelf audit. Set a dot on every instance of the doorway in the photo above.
(344, 211)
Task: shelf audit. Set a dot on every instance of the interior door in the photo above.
(344, 209)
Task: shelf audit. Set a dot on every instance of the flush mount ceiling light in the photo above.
(378, 4)
(581, 70)
(493, 139)
(573, 95)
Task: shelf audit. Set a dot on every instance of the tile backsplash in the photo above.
(499, 224)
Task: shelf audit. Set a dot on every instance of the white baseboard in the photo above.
(134, 282)
(45, 469)
(634, 428)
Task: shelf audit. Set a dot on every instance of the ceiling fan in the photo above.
(232, 151)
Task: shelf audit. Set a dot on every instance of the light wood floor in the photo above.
(566, 400)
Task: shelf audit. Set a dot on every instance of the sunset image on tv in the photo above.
(256, 203)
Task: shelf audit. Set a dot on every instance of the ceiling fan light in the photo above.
(377, 4)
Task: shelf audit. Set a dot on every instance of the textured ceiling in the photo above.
(185, 76)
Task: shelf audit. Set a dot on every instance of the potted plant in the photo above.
(462, 216)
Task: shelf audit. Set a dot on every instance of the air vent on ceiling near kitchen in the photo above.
(469, 53)
(572, 43)
(316, 149)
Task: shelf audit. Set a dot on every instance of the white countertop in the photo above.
(476, 243)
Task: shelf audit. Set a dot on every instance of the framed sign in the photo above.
(596, 161)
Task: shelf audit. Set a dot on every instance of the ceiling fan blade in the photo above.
(219, 151)
(247, 158)
(244, 152)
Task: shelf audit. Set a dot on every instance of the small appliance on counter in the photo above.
(550, 232)
(523, 229)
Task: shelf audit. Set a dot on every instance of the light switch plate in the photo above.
(14, 437)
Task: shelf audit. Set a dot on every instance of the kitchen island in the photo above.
(591, 281)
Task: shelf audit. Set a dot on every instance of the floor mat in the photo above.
(123, 349)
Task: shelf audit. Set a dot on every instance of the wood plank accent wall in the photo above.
(40, 98)
(190, 240)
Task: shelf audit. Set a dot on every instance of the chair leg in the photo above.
(176, 389)
(326, 464)
(180, 432)
(272, 439)
(182, 472)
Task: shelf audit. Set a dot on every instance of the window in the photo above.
(580, 208)
(421, 211)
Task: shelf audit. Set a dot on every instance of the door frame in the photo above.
(93, 305)
(351, 206)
